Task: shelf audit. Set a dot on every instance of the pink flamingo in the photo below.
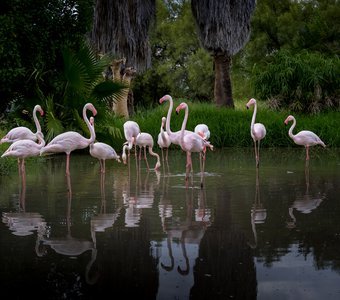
(131, 130)
(102, 151)
(25, 148)
(203, 131)
(303, 138)
(257, 131)
(192, 142)
(163, 140)
(23, 133)
(69, 141)
(144, 140)
(174, 136)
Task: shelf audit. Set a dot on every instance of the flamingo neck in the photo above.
(167, 124)
(35, 118)
(253, 117)
(290, 132)
(89, 126)
(184, 123)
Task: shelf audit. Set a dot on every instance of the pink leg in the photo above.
(67, 163)
(307, 153)
(145, 158)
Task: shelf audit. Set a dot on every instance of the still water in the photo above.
(260, 235)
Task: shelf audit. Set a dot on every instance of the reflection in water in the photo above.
(69, 245)
(258, 213)
(188, 231)
(23, 223)
(305, 203)
(141, 198)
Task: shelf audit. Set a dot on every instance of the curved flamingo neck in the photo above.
(253, 119)
(35, 118)
(184, 123)
(89, 126)
(168, 117)
(290, 132)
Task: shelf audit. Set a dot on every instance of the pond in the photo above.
(247, 234)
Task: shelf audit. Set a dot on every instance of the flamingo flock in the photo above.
(25, 143)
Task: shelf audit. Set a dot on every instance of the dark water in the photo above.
(271, 235)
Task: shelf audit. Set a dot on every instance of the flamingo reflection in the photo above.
(69, 245)
(23, 223)
(306, 203)
(142, 198)
(187, 231)
(258, 213)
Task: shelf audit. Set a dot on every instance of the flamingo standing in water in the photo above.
(303, 138)
(191, 142)
(257, 131)
(102, 151)
(163, 140)
(174, 136)
(24, 133)
(71, 140)
(131, 130)
(25, 148)
(144, 140)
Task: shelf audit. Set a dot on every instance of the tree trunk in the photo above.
(223, 90)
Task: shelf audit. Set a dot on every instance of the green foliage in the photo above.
(306, 82)
(231, 128)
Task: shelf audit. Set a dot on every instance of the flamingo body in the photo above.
(144, 140)
(69, 141)
(24, 133)
(131, 130)
(102, 151)
(304, 138)
(163, 140)
(191, 142)
(257, 130)
(175, 137)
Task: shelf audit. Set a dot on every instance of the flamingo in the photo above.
(174, 136)
(23, 133)
(191, 142)
(303, 138)
(257, 131)
(144, 140)
(131, 130)
(203, 131)
(163, 140)
(25, 148)
(102, 151)
(69, 141)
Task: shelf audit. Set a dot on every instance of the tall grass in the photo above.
(231, 128)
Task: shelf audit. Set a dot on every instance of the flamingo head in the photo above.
(91, 107)
(251, 102)
(288, 119)
(165, 98)
(163, 121)
(183, 105)
(40, 110)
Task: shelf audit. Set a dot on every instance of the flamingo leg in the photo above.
(258, 154)
(145, 158)
(67, 163)
(307, 152)
(167, 151)
(103, 166)
(188, 167)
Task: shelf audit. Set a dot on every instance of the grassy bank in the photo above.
(231, 128)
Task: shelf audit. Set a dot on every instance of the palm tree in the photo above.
(121, 29)
(223, 29)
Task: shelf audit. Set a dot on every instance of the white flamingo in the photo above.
(24, 133)
(71, 140)
(131, 130)
(257, 131)
(303, 138)
(203, 131)
(144, 140)
(102, 151)
(163, 140)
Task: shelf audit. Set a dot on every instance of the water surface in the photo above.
(261, 235)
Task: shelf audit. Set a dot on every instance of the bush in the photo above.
(306, 82)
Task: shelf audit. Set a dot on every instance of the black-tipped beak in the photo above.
(247, 107)
(176, 112)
